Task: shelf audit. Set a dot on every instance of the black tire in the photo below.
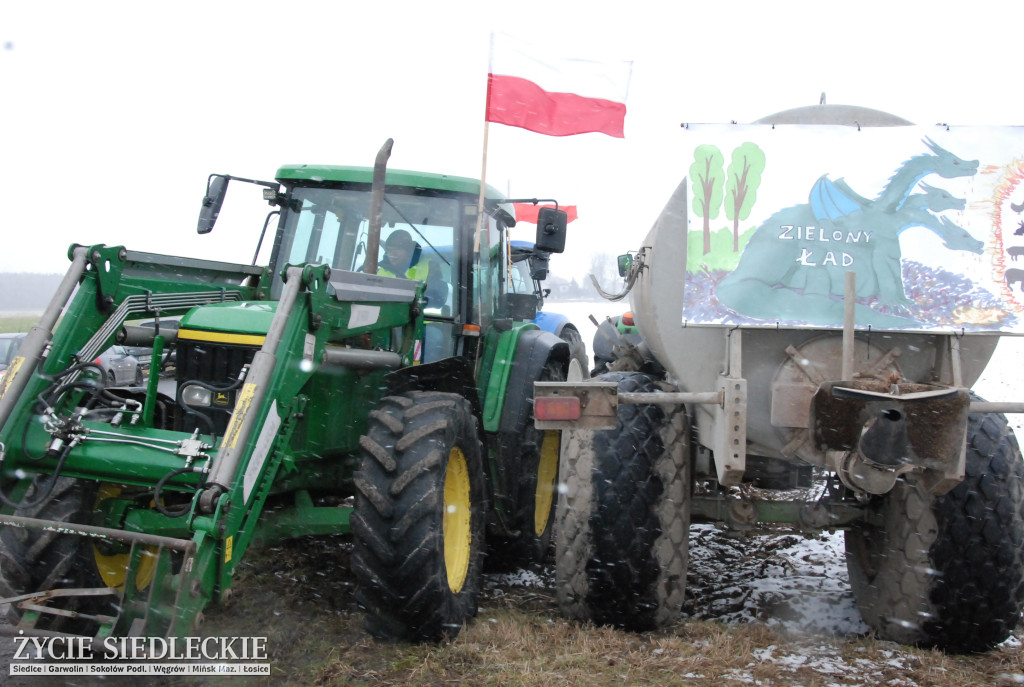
(623, 523)
(33, 560)
(948, 572)
(418, 556)
(536, 493)
(577, 349)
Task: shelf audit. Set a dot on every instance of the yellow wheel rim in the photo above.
(113, 568)
(547, 473)
(456, 531)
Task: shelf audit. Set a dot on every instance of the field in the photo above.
(17, 321)
(760, 595)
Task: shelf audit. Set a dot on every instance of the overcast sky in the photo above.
(114, 113)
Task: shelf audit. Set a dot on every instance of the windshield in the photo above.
(8, 349)
(331, 227)
(519, 277)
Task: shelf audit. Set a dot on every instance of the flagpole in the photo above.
(483, 187)
(480, 246)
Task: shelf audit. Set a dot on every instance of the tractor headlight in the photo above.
(194, 395)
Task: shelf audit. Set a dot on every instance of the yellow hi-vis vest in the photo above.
(418, 271)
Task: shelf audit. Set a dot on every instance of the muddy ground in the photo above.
(300, 595)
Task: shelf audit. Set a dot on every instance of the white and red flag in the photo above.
(529, 88)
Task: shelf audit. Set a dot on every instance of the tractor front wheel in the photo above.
(418, 523)
(33, 560)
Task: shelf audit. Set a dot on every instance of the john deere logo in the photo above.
(221, 398)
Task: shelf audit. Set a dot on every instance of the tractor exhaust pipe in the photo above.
(380, 166)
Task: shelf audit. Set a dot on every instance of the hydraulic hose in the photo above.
(49, 489)
(177, 513)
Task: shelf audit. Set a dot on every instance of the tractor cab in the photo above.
(326, 216)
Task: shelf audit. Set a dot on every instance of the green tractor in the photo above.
(323, 393)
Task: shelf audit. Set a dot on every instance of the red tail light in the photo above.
(555, 408)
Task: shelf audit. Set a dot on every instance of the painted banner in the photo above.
(931, 220)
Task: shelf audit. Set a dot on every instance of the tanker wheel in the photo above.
(623, 524)
(418, 522)
(948, 572)
(34, 560)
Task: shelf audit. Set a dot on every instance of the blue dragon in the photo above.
(794, 264)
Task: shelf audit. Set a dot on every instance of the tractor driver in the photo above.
(403, 257)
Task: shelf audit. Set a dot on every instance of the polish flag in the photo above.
(527, 212)
(529, 88)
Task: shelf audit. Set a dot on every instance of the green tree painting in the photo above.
(708, 175)
(742, 179)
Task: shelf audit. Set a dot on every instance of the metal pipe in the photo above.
(955, 361)
(185, 545)
(233, 446)
(130, 335)
(156, 355)
(31, 350)
(376, 205)
(360, 359)
(675, 398)
(849, 309)
(996, 407)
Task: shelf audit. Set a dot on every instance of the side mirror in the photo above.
(216, 189)
(551, 225)
(503, 217)
(625, 262)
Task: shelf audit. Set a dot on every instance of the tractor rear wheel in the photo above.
(419, 516)
(623, 523)
(577, 349)
(536, 492)
(33, 560)
(948, 571)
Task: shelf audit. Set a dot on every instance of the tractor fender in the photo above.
(551, 322)
(451, 375)
(533, 351)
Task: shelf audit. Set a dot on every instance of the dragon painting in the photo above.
(794, 264)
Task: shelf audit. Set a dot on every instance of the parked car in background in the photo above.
(9, 344)
(168, 327)
(120, 366)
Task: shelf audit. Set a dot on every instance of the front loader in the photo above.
(309, 396)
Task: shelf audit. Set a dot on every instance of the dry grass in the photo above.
(300, 596)
(513, 648)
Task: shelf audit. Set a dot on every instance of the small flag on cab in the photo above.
(528, 212)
